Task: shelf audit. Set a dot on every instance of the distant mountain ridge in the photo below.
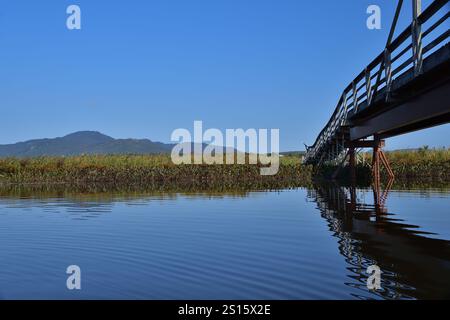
(83, 142)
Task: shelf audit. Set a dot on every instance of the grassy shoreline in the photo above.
(418, 165)
(159, 173)
(151, 171)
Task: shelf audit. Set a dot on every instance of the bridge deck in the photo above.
(412, 95)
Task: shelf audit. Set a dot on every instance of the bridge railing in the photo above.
(404, 53)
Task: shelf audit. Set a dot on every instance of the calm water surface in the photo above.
(292, 244)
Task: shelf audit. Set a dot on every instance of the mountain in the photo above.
(83, 142)
(293, 153)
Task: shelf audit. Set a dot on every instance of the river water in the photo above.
(291, 244)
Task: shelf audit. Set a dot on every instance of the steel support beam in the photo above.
(409, 116)
(364, 144)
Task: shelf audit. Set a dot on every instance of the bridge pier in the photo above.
(378, 158)
(352, 163)
(376, 164)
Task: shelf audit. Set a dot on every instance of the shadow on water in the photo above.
(414, 266)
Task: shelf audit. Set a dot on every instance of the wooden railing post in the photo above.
(355, 97)
(344, 105)
(388, 72)
(416, 35)
(368, 87)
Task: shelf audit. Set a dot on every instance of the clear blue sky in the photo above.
(144, 68)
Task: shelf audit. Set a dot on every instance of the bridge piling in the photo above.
(376, 164)
(352, 163)
(378, 158)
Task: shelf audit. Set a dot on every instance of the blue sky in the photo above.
(144, 68)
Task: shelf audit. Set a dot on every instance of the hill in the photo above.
(83, 142)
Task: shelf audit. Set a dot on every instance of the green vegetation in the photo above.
(152, 171)
(419, 166)
(423, 162)
(414, 164)
(157, 172)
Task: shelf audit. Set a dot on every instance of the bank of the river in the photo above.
(158, 171)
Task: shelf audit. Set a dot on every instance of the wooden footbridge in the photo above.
(405, 88)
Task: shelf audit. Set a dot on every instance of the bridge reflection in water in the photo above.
(414, 265)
